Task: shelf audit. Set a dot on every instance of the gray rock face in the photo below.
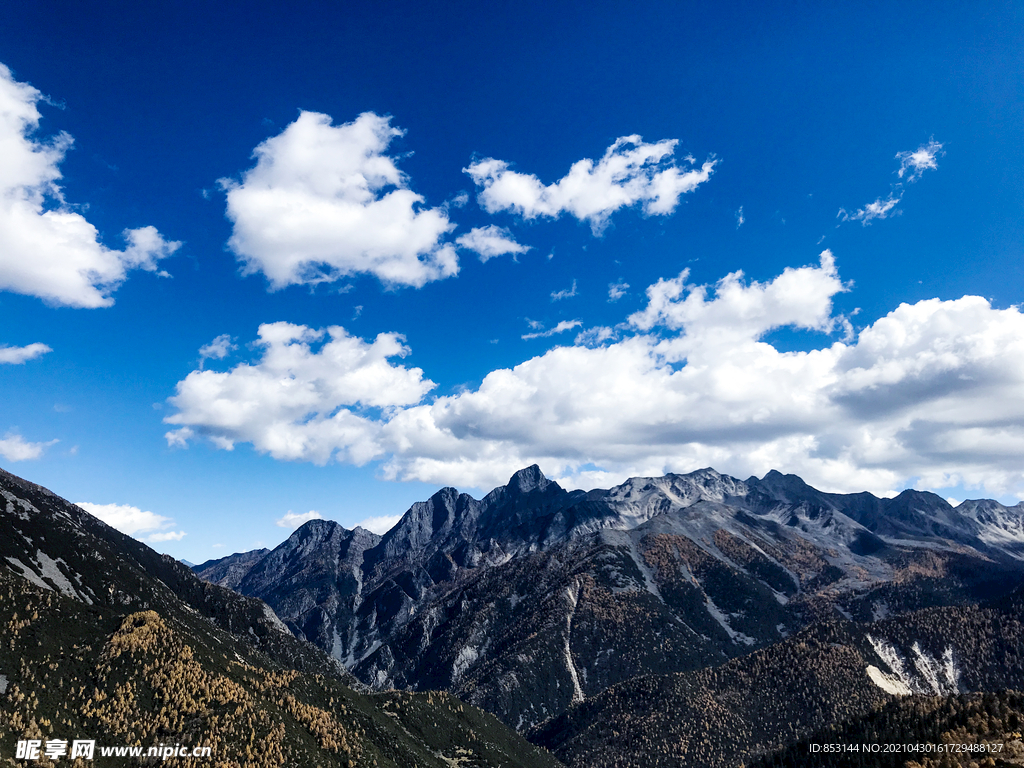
(535, 597)
(228, 571)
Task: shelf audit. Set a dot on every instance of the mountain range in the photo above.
(542, 605)
(695, 620)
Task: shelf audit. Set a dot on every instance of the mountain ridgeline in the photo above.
(538, 604)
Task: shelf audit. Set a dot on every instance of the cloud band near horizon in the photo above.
(931, 392)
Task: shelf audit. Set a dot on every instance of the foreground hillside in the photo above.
(105, 639)
(830, 674)
(973, 730)
(534, 598)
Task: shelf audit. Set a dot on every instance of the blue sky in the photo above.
(437, 181)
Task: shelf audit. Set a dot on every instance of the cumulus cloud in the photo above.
(491, 241)
(920, 395)
(47, 249)
(739, 310)
(565, 293)
(631, 172)
(562, 327)
(924, 158)
(931, 394)
(146, 526)
(325, 201)
(295, 519)
(19, 355)
(381, 524)
(217, 349)
(312, 395)
(14, 447)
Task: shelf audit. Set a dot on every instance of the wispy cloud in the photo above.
(594, 337)
(912, 165)
(617, 290)
(880, 209)
(739, 218)
(562, 327)
(924, 158)
(217, 349)
(566, 293)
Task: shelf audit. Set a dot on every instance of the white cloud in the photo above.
(380, 525)
(594, 337)
(47, 249)
(913, 164)
(19, 355)
(324, 201)
(491, 241)
(217, 349)
(631, 172)
(566, 293)
(295, 519)
(562, 327)
(922, 394)
(133, 521)
(167, 536)
(740, 311)
(14, 447)
(932, 394)
(617, 290)
(298, 402)
(880, 209)
(739, 218)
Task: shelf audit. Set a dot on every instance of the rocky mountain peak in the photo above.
(786, 487)
(318, 527)
(527, 480)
